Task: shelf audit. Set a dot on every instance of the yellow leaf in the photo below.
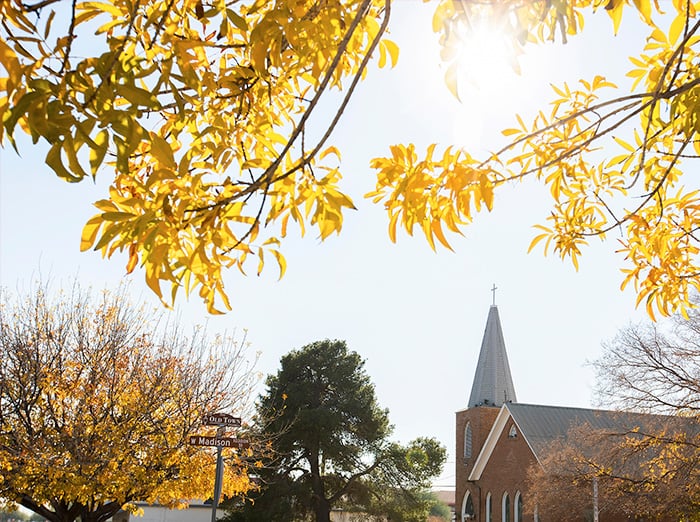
(138, 97)
(393, 51)
(89, 234)
(161, 150)
(644, 7)
(614, 9)
(133, 258)
(98, 151)
(261, 260)
(53, 160)
(392, 226)
(677, 27)
(546, 235)
(281, 262)
(437, 230)
(329, 150)
(382, 56)
(116, 216)
(451, 79)
(9, 60)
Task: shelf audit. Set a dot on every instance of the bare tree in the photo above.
(653, 367)
(645, 458)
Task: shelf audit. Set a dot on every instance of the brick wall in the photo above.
(506, 473)
(481, 419)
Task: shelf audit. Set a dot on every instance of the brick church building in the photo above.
(498, 439)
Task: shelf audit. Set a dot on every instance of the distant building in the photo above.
(498, 440)
(197, 511)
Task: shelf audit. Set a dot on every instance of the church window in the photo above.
(468, 507)
(489, 510)
(513, 432)
(518, 506)
(505, 508)
(468, 441)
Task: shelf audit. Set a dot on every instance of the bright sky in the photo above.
(417, 317)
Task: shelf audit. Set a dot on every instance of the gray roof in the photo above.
(542, 425)
(493, 384)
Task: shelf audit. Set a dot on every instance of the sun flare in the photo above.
(481, 55)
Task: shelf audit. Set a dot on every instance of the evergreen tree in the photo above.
(331, 445)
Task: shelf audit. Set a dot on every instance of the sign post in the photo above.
(223, 421)
(219, 477)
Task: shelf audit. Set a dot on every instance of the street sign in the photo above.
(221, 419)
(216, 442)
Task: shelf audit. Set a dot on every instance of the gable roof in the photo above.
(541, 425)
(493, 384)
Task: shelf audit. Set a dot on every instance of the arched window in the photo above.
(468, 507)
(518, 506)
(489, 509)
(468, 441)
(505, 508)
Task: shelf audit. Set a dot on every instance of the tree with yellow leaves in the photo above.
(643, 464)
(206, 115)
(97, 402)
(636, 467)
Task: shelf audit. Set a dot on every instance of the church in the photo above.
(499, 439)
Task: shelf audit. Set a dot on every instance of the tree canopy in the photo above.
(330, 444)
(644, 465)
(205, 115)
(97, 401)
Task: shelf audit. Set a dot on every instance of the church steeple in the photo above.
(493, 384)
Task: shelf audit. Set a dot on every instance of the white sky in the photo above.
(417, 317)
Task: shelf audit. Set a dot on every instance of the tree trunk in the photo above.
(322, 508)
(321, 505)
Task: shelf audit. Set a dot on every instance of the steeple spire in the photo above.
(493, 384)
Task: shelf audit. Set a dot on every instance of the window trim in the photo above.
(489, 507)
(518, 507)
(505, 507)
(465, 502)
(468, 442)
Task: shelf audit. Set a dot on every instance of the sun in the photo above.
(482, 62)
(486, 55)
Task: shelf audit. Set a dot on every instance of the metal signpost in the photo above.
(223, 421)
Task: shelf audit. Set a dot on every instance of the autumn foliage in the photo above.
(613, 162)
(643, 464)
(97, 401)
(648, 468)
(205, 115)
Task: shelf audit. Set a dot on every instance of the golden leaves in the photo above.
(200, 116)
(103, 401)
(432, 194)
(203, 119)
(599, 178)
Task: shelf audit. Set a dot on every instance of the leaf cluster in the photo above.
(198, 110)
(610, 162)
(206, 116)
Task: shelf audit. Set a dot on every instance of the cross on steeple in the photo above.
(493, 290)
